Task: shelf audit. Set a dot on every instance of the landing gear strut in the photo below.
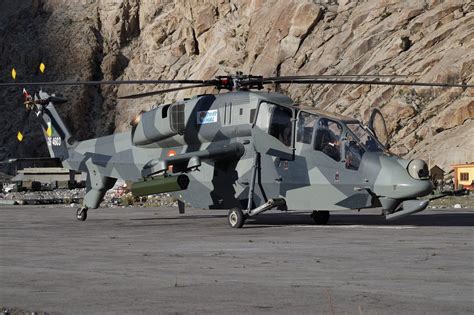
(320, 217)
(81, 214)
(237, 217)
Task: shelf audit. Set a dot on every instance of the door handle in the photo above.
(279, 179)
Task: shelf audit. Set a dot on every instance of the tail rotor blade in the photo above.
(26, 95)
(20, 133)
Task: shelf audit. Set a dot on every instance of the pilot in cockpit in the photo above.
(327, 141)
(371, 144)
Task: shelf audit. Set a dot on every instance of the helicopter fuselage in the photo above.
(251, 145)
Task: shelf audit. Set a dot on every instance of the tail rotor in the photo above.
(29, 103)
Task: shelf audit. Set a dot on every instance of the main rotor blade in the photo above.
(359, 82)
(114, 82)
(325, 76)
(146, 94)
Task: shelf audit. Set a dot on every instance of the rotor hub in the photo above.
(239, 82)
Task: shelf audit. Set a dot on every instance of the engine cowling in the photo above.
(158, 124)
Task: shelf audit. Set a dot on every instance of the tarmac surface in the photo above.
(149, 260)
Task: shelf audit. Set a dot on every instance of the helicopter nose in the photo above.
(405, 181)
(402, 179)
(420, 188)
(414, 182)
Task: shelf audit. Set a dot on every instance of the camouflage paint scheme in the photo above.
(228, 147)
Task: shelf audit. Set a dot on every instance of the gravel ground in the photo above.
(466, 201)
(111, 199)
(167, 201)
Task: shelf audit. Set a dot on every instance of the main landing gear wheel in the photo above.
(81, 214)
(320, 217)
(236, 218)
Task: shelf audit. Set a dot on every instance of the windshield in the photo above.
(368, 140)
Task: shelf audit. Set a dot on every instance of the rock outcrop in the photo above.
(431, 40)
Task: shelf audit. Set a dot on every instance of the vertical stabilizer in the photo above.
(58, 138)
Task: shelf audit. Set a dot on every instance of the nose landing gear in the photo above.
(81, 214)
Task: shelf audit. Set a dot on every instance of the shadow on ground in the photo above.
(456, 218)
(428, 219)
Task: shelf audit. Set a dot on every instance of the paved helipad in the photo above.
(142, 260)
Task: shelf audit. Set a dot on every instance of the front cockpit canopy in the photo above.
(340, 138)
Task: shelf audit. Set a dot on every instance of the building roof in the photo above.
(435, 168)
(463, 165)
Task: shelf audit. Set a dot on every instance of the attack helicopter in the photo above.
(245, 150)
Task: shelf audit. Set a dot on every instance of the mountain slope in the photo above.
(133, 39)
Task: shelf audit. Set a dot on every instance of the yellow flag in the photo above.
(13, 73)
(42, 67)
(19, 136)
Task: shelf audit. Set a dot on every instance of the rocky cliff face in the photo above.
(141, 39)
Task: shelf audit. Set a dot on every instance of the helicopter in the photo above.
(246, 150)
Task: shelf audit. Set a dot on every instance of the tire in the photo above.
(81, 214)
(320, 217)
(236, 218)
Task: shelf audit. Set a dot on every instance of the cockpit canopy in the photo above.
(342, 140)
(366, 138)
